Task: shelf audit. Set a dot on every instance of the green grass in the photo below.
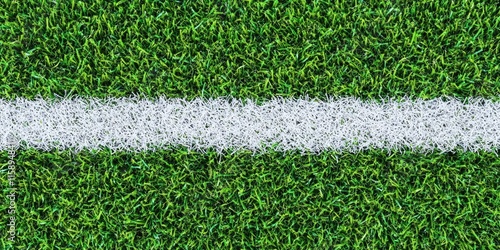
(252, 49)
(192, 200)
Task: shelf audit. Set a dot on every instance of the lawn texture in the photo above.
(252, 49)
(187, 200)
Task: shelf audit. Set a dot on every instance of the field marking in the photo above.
(342, 124)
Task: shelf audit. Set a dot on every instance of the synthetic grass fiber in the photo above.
(259, 50)
(250, 49)
(176, 199)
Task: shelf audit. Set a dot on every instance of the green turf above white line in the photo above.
(341, 124)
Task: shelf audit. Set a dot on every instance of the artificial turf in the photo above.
(177, 199)
(252, 49)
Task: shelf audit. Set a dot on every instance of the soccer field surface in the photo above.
(184, 196)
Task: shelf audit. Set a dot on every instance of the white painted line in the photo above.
(345, 124)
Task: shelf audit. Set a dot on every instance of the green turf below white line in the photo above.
(341, 124)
